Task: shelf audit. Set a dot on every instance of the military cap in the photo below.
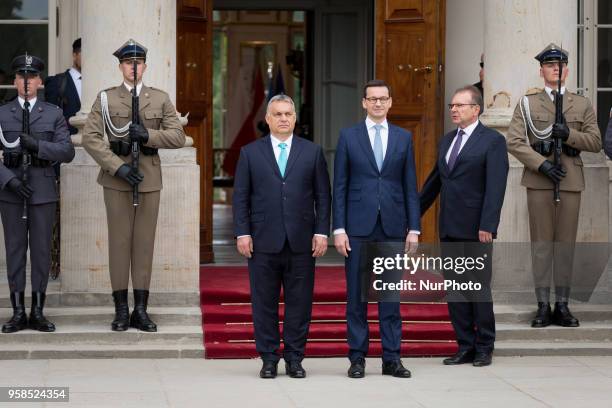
(27, 63)
(131, 50)
(552, 53)
(76, 45)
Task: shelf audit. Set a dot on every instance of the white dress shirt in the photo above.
(384, 137)
(549, 92)
(468, 130)
(129, 87)
(76, 78)
(275, 142)
(31, 101)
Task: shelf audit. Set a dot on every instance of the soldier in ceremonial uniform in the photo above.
(553, 226)
(27, 204)
(131, 229)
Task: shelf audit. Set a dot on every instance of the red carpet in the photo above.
(228, 329)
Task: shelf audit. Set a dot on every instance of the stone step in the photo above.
(525, 313)
(587, 332)
(543, 348)
(73, 315)
(45, 351)
(97, 334)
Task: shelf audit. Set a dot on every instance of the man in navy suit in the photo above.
(470, 175)
(375, 200)
(64, 90)
(281, 220)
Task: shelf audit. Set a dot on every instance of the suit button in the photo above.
(284, 183)
(284, 198)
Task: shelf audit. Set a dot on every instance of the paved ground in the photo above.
(511, 382)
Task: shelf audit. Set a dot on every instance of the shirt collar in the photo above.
(129, 87)
(370, 123)
(469, 129)
(276, 141)
(76, 75)
(32, 102)
(549, 91)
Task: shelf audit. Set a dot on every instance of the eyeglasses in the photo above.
(481, 64)
(460, 105)
(383, 100)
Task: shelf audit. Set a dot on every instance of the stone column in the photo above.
(84, 259)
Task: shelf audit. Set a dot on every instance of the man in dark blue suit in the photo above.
(470, 175)
(64, 90)
(375, 200)
(281, 220)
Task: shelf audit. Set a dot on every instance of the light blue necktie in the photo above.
(282, 158)
(378, 147)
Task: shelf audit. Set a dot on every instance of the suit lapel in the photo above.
(125, 96)
(144, 98)
(568, 101)
(265, 146)
(364, 141)
(444, 146)
(391, 143)
(36, 112)
(471, 142)
(546, 102)
(294, 153)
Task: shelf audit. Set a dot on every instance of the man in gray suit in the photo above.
(27, 205)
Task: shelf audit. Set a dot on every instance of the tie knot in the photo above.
(461, 132)
(282, 146)
(378, 126)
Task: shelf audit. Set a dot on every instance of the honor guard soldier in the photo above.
(34, 137)
(125, 142)
(531, 139)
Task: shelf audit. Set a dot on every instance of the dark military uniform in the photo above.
(553, 226)
(49, 130)
(131, 230)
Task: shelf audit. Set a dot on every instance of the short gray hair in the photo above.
(280, 98)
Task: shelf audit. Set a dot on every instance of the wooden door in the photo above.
(194, 95)
(410, 57)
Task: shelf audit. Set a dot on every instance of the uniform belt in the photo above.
(13, 160)
(547, 147)
(125, 149)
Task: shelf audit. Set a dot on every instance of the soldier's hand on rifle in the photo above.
(18, 187)
(139, 133)
(129, 175)
(560, 131)
(555, 173)
(28, 142)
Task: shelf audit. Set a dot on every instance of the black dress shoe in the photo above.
(269, 369)
(357, 368)
(460, 357)
(482, 359)
(294, 369)
(563, 317)
(122, 311)
(396, 369)
(19, 320)
(37, 320)
(140, 318)
(543, 315)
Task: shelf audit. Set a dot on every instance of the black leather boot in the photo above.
(37, 320)
(543, 315)
(122, 311)
(19, 321)
(562, 315)
(140, 319)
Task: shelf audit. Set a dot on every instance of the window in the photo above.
(30, 26)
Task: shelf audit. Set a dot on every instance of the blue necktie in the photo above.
(282, 158)
(452, 159)
(378, 148)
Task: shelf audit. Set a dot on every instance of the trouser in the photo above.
(553, 231)
(35, 230)
(390, 320)
(131, 237)
(295, 272)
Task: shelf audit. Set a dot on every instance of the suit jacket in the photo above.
(472, 194)
(272, 208)
(360, 189)
(47, 124)
(584, 135)
(69, 102)
(608, 140)
(157, 115)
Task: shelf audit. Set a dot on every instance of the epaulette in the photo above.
(533, 91)
(51, 105)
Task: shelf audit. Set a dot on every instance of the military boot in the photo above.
(140, 319)
(19, 321)
(37, 320)
(543, 315)
(122, 311)
(562, 315)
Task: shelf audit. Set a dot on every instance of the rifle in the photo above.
(25, 155)
(134, 141)
(558, 120)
